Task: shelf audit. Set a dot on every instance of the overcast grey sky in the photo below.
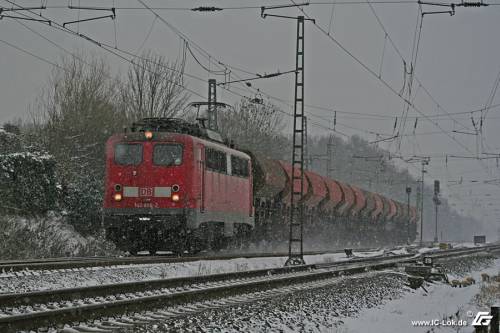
(457, 63)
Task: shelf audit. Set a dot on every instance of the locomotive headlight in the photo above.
(175, 197)
(148, 135)
(118, 197)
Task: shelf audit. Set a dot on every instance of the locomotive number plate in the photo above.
(146, 205)
(146, 192)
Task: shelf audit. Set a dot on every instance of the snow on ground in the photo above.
(466, 245)
(427, 249)
(375, 302)
(440, 302)
(463, 245)
(47, 280)
(11, 282)
(317, 310)
(368, 254)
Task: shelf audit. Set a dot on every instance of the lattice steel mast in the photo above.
(296, 243)
(296, 232)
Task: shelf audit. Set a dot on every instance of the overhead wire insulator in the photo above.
(334, 120)
(473, 4)
(206, 9)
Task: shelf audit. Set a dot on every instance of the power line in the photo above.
(80, 59)
(388, 37)
(147, 36)
(31, 54)
(184, 36)
(206, 53)
(105, 47)
(316, 124)
(288, 114)
(110, 49)
(369, 70)
(229, 8)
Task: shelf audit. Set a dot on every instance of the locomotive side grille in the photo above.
(163, 192)
(129, 191)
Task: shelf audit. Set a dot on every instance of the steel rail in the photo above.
(85, 262)
(186, 293)
(45, 296)
(185, 290)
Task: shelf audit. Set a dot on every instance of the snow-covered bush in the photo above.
(46, 237)
(27, 183)
(9, 142)
(82, 203)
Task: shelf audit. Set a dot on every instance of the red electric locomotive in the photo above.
(175, 186)
(172, 185)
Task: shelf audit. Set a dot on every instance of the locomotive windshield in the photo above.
(128, 154)
(167, 154)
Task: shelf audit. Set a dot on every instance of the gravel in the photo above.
(318, 310)
(315, 310)
(461, 267)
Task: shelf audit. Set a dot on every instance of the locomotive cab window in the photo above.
(167, 154)
(215, 160)
(128, 154)
(239, 166)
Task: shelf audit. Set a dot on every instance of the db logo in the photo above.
(146, 192)
(482, 319)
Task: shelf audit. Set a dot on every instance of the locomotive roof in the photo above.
(167, 126)
(176, 125)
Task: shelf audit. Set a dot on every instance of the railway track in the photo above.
(87, 262)
(54, 308)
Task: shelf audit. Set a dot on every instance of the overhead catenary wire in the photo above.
(348, 112)
(385, 83)
(374, 115)
(319, 125)
(388, 37)
(32, 54)
(220, 64)
(146, 38)
(106, 47)
(236, 8)
(54, 24)
(413, 63)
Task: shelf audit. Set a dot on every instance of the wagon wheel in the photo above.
(133, 250)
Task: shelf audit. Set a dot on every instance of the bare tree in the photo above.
(75, 115)
(153, 88)
(78, 111)
(255, 126)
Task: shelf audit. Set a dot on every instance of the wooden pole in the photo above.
(494, 323)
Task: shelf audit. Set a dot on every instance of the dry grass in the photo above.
(44, 237)
(489, 293)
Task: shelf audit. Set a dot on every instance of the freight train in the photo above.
(176, 186)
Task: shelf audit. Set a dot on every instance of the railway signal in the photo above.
(425, 162)
(437, 202)
(408, 193)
